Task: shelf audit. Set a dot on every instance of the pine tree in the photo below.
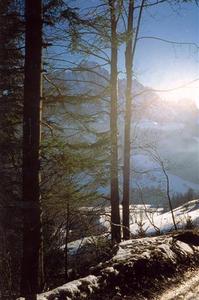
(32, 273)
(11, 93)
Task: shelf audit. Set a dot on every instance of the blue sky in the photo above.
(162, 65)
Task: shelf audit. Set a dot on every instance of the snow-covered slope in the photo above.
(152, 175)
(184, 215)
(150, 220)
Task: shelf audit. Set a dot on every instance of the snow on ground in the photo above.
(137, 213)
(187, 289)
(77, 289)
(188, 212)
(150, 223)
(138, 262)
(75, 246)
(147, 223)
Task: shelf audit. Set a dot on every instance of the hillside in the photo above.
(185, 215)
(170, 127)
(145, 221)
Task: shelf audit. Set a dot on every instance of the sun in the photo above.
(182, 91)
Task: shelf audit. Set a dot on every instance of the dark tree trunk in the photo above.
(168, 194)
(66, 241)
(32, 262)
(115, 214)
(128, 116)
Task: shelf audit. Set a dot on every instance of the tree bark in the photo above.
(168, 195)
(66, 241)
(115, 213)
(127, 126)
(32, 262)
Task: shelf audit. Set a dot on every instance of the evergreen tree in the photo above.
(32, 269)
(11, 74)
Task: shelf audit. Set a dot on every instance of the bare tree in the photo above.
(115, 214)
(150, 219)
(153, 152)
(129, 55)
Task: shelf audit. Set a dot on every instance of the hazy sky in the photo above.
(162, 65)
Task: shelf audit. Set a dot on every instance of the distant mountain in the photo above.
(152, 176)
(170, 127)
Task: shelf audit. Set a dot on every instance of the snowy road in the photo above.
(188, 289)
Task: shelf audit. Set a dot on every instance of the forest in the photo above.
(99, 143)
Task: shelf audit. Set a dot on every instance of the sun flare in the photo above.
(182, 91)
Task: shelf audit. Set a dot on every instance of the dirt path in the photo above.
(187, 289)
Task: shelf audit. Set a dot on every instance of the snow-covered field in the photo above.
(150, 223)
(184, 215)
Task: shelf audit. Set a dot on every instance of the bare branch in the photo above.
(168, 41)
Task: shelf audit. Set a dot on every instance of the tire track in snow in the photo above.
(188, 289)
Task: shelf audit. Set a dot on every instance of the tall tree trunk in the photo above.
(66, 241)
(115, 213)
(129, 58)
(127, 126)
(32, 267)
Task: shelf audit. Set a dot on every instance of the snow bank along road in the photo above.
(139, 269)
